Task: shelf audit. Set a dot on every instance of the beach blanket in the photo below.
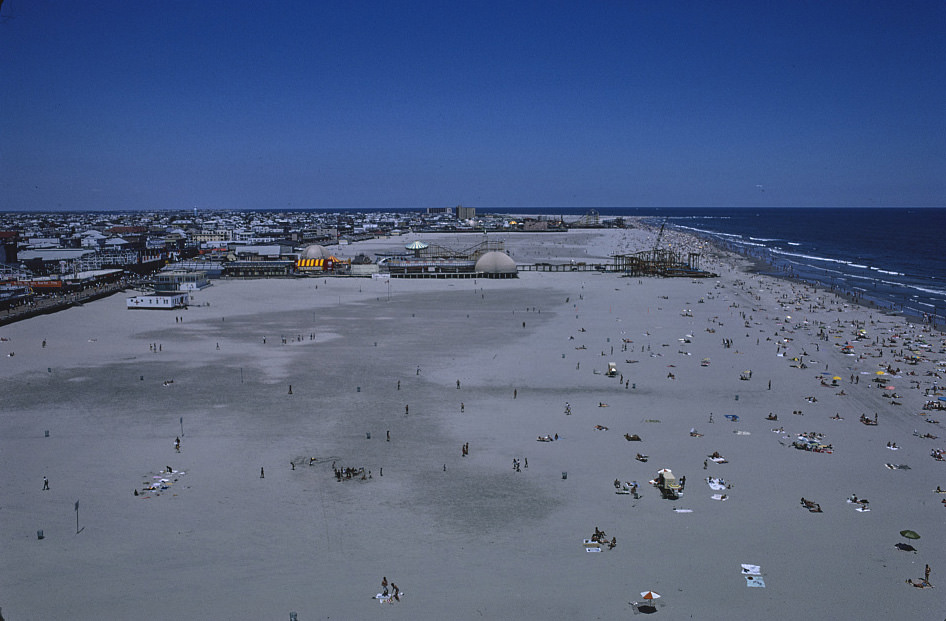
(755, 581)
(722, 497)
(897, 466)
(592, 549)
(683, 510)
(389, 598)
(754, 570)
(716, 484)
(862, 509)
(719, 460)
(742, 433)
(160, 483)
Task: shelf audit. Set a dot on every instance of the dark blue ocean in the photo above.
(893, 257)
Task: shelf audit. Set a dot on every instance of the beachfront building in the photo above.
(164, 301)
(316, 259)
(258, 269)
(172, 282)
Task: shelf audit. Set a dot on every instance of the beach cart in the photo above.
(667, 483)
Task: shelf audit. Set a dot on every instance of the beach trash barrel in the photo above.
(46, 434)
(358, 389)
(293, 616)
(39, 534)
(368, 435)
(564, 475)
(737, 397)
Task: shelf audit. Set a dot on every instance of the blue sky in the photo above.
(115, 105)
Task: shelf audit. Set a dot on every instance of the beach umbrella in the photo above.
(910, 534)
(836, 377)
(648, 607)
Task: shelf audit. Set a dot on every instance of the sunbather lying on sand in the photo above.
(919, 583)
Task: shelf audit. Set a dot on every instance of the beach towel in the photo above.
(719, 460)
(683, 510)
(716, 484)
(754, 570)
(897, 466)
(592, 549)
(722, 497)
(755, 581)
(862, 509)
(388, 599)
(742, 433)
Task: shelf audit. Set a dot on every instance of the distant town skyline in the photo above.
(116, 106)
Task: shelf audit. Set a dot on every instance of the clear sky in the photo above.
(122, 104)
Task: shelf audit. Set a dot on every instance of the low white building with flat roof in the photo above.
(158, 301)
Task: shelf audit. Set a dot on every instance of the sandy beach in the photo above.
(293, 376)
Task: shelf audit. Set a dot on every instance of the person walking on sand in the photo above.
(384, 586)
(262, 475)
(45, 484)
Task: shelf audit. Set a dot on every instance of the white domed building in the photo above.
(318, 259)
(315, 251)
(496, 264)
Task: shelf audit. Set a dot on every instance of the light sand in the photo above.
(478, 540)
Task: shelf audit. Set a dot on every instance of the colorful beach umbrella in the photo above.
(650, 595)
(910, 534)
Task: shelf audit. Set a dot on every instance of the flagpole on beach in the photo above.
(182, 419)
(77, 517)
